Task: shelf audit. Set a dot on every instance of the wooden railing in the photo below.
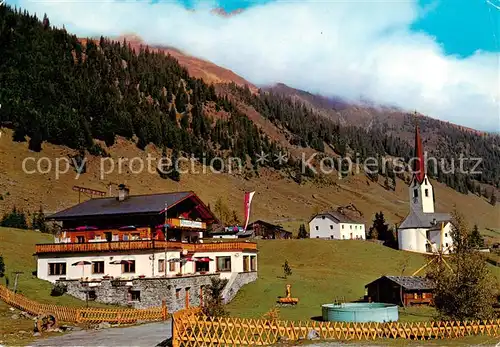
(82, 314)
(143, 244)
(191, 328)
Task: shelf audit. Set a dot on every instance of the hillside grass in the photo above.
(17, 248)
(322, 271)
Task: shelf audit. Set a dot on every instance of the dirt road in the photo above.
(145, 335)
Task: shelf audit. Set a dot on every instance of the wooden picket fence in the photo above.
(83, 314)
(193, 329)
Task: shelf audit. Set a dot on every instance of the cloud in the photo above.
(349, 49)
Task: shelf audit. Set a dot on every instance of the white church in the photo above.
(424, 230)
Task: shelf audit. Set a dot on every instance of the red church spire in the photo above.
(418, 160)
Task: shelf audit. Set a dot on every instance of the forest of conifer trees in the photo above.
(66, 91)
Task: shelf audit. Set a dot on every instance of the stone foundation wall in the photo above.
(237, 281)
(151, 291)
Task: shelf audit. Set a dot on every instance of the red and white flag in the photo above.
(248, 202)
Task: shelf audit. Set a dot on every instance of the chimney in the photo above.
(122, 192)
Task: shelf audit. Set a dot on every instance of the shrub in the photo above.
(58, 289)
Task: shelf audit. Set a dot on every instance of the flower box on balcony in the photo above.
(142, 276)
(203, 272)
(178, 274)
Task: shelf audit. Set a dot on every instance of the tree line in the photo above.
(66, 91)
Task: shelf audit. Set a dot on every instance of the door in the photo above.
(109, 236)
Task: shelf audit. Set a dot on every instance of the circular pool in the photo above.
(360, 312)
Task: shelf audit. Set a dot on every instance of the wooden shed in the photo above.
(407, 290)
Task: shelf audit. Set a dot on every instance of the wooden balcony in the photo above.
(116, 246)
(186, 224)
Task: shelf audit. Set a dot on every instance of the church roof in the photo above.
(418, 160)
(424, 220)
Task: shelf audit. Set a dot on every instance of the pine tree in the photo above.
(2, 267)
(287, 270)
(38, 222)
(493, 199)
(302, 232)
(475, 238)
(468, 292)
(174, 173)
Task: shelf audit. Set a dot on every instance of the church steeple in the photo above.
(421, 192)
(418, 160)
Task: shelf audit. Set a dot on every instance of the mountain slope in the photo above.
(97, 100)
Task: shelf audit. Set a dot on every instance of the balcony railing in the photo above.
(143, 244)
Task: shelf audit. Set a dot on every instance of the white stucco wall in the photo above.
(352, 231)
(435, 238)
(424, 201)
(145, 264)
(415, 240)
(323, 227)
(330, 228)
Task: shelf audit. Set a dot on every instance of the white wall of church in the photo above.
(435, 238)
(412, 240)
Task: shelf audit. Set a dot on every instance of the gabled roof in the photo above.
(409, 282)
(337, 216)
(424, 220)
(133, 204)
(267, 224)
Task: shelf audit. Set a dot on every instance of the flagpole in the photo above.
(166, 237)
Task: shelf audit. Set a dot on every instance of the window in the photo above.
(171, 266)
(128, 266)
(202, 266)
(350, 226)
(446, 235)
(253, 263)
(97, 267)
(224, 264)
(80, 239)
(343, 237)
(331, 226)
(331, 236)
(342, 226)
(57, 269)
(177, 293)
(125, 237)
(161, 265)
(322, 217)
(446, 245)
(245, 263)
(317, 227)
(135, 295)
(415, 193)
(425, 181)
(427, 192)
(135, 236)
(92, 295)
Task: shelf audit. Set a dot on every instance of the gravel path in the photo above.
(145, 335)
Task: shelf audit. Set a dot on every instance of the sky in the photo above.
(439, 57)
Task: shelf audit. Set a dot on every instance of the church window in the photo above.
(446, 245)
(415, 193)
(446, 235)
(317, 228)
(331, 226)
(426, 181)
(427, 192)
